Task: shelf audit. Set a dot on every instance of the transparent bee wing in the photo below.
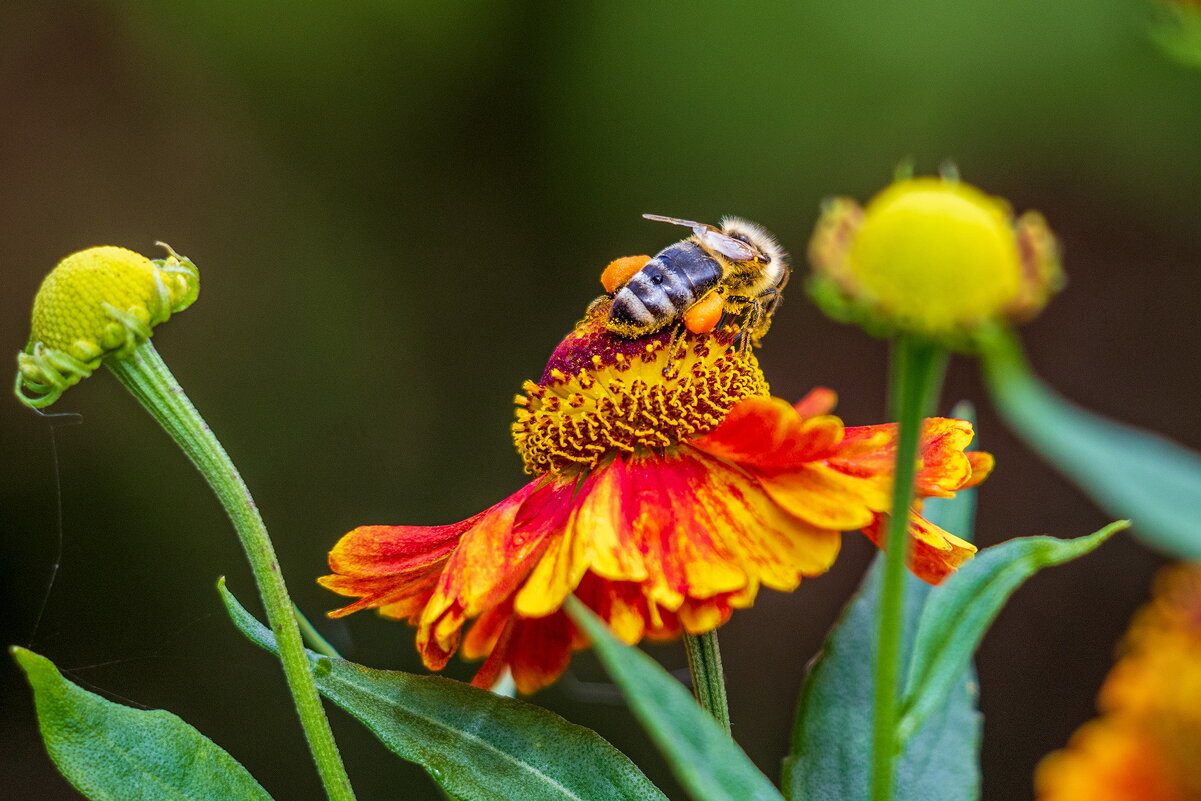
(728, 246)
(696, 227)
(712, 238)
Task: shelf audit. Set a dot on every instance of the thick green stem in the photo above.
(918, 368)
(146, 376)
(708, 678)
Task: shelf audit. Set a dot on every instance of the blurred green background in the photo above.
(398, 208)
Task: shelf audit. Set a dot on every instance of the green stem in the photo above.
(708, 679)
(918, 368)
(146, 376)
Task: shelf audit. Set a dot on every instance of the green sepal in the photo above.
(839, 306)
(709, 765)
(112, 752)
(476, 745)
(1128, 472)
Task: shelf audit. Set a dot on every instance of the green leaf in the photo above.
(114, 752)
(477, 745)
(709, 765)
(958, 613)
(1128, 472)
(830, 759)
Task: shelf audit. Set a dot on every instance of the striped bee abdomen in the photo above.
(664, 289)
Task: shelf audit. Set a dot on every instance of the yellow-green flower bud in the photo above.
(96, 304)
(932, 256)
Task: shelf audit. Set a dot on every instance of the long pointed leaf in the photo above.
(112, 752)
(958, 613)
(830, 757)
(709, 765)
(1128, 472)
(477, 745)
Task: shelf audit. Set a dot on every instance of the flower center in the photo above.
(937, 253)
(602, 395)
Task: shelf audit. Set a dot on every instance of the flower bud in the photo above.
(932, 256)
(95, 304)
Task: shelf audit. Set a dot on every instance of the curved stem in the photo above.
(918, 368)
(708, 678)
(146, 376)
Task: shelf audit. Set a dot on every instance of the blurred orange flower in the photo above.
(1147, 743)
(669, 486)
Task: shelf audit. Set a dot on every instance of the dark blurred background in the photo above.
(398, 209)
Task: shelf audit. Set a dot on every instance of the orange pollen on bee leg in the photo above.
(705, 315)
(654, 398)
(621, 270)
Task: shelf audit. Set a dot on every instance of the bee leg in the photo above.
(678, 349)
(748, 323)
(758, 318)
(770, 300)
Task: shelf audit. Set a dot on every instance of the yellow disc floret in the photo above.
(602, 395)
(98, 303)
(937, 253)
(933, 256)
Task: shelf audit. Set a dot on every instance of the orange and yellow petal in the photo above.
(656, 545)
(769, 433)
(840, 479)
(610, 548)
(1107, 760)
(497, 553)
(819, 401)
(385, 565)
(775, 546)
(982, 464)
(1147, 743)
(934, 553)
(943, 467)
(828, 498)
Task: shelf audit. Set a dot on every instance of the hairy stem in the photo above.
(708, 678)
(146, 376)
(917, 372)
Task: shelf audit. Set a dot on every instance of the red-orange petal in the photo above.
(982, 467)
(943, 466)
(819, 401)
(395, 550)
(934, 553)
(497, 553)
(539, 650)
(769, 434)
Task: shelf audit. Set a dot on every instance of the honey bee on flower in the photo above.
(734, 272)
(668, 487)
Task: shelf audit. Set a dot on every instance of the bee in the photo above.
(733, 272)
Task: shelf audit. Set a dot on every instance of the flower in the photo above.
(934, 256)
(1147, 742)
(668, 487)
(98, 303)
